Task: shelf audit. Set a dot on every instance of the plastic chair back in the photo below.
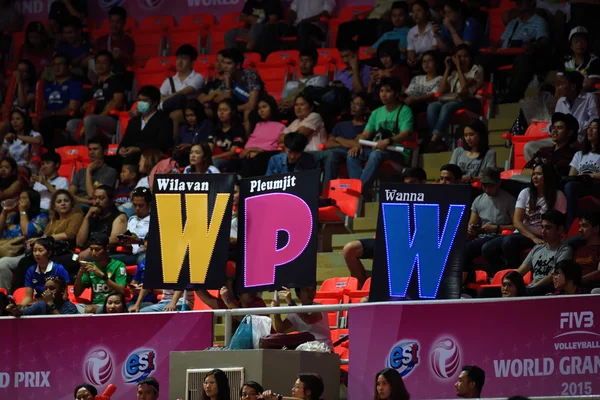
(157, 23)
(348, 12)
(19, 295)
(346, 193)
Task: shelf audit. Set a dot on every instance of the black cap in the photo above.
(490, 175)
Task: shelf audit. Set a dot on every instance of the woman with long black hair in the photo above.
(475, 153)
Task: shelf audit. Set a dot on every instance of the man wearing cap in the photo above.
(491, 213)
(556, 150)
(582, 60)
(104, 275)
(575, 101)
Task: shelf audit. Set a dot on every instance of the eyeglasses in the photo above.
(209, 383)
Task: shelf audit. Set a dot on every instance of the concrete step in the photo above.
(496, 139)
(333, 259)
(502, 124)
(371, 209)
(364, 224)
(436, 160)
(509, 110)
(338, 241)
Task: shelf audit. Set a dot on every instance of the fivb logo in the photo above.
(424, 247)
(576, 320)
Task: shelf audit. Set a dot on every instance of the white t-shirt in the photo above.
(314, 122)
(140, 228)
(144, 182)
(421, 43)
(533, 218)
(586, 163)
(475, 73)
(19, 150)
(45, 196)
(319, 330)
(420, 86)
(194, 80)
(189, 297)
(211, 170)
(315, 80)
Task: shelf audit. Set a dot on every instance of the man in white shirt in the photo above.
(48, 181)
(308, 60)
(184, 85)
(137, 227)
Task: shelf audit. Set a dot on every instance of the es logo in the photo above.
(139, 365)
(576, 320)
(404, 357)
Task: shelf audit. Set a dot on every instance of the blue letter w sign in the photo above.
(426, 246)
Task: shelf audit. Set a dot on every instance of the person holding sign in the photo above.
(390, 124)
(316, 323)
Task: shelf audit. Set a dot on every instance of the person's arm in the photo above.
(141, 295)
(317, 17)
(444, 86)
(119, 227)
(84, 230)
(573, 171)
(73, 106)
(30, 139)
(116, 104)
(12, 191)
(208, 299)
(28, 299)
(357, 84)
(437, 33)
(473, 220)
(208, 97)
(281, 326)
(73, 189)
(518, 219)
(592, 276)
(172, 306)
(3, 216)
(24, 222)
(112, 285)
(251, 103)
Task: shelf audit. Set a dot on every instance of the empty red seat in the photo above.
(148, 44)
(337, 287)
(282, 58)
(179, 38)
(155, 80)
(333, 316)
(84, 298)
(156, 24)
(347, 13)
(346, 193)
(194, 22)
(158, 65)
(326, 56)
(355, 296)
(19, 295)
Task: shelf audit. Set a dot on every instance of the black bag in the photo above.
(331, 102)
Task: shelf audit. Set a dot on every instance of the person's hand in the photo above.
(354, 63)
(408, 100)
(355, 151)
(17, 75)
(448, 24)
(538, 241)
(93, 212)
(375, 76)
(48, 297)
(92, 268)
(10, 137)
(130, 239)
(227, 79)
(471, 231)
(489, 228)
(135, 288)
(116, 52)
(30, 243)
(382, 144)
(436, 28)
(123, 151)
(275, 302)
(448, 62)
(12, 308)
(287, 294)
(170, 307)
(24, 205)
(95, 165)
(456, 61)
(244, 153)
(224, 293)
(134, 308)
(268, 395)
(466, 179)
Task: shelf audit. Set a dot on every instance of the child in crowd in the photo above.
(129, 177)
(567, 278)
(197, 129)
(400, 17)
(48, 181)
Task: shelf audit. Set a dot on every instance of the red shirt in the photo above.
(124, 44)
(588, 257)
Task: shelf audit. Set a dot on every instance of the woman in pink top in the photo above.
(262, 143)
(308, 123)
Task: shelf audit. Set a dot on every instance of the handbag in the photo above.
(12, 247)
(287, 340)
(242, 338)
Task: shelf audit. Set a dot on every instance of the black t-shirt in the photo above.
(104, 91)
(226, 140)
(262, 9)
(211, 86)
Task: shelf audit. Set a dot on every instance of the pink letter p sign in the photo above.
(278, 232)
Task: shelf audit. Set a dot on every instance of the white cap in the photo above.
(576, 30)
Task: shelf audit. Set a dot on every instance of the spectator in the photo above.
(177, 89)
(37, 47)
(21, 141)
(53, 300)
(103, 274)
(229, 136)
(457, 29)
(470, 382)
(228, 299)
(141, 297)
(65, 217)
(114, 303)
(491, 213)
(316, 323)
(585, 172)
(148, 160)
(104, 218)
(262, 143)
(580, 104)
(420, 38)
(216, 386)
(172, 300)
(308, 122)
(306, 20)
(147, 389)
(544, 256)
(389, 57)
(24, 220)
(367, 26)
(343, 138)
(241, 85)
(399, 35)
(294, 87)
(513, 285)
(355, 77)
(251, 389)
(475, 154)
(63, 96)
(294, 159)
(36, 275)
(97, 173)
(200, 160)
(390, 386)
(582, 60)
(150, 128)
(10, 185)
(137, 227)
(256, 15)
(85, 392)
(389, 125)
(541, 196)
(587, 251)
(566, 278)
(75, 46)
(117, 41)
(529, 31)
(198, 128)
(26, 81)
(450, 174)
(164, 166)
(128, 179)
(557, 150)
(308, 386)
(63, 11)
(109, 92)
(457, 89)
(212, 90)
(423, 88)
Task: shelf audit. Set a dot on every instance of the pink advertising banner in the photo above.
(139, 9)
(530, 347)
(47, 357)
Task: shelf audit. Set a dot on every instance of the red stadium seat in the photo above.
(327, 56)
(2, 290)
(347, 13)
(112, 149)
(158, 65)
(535, 131)
(131, 269)
(206, 61)
(155, 80)
(343, 349)
(363, 53)
(333, 316)
(156, 24)
(148, 44)
(355, 296)
(282, 58)
(84, 298)
(70, 153)
(337, 287)
(229, 21)
(195, 22)
(251, 60)
(19, 295)
(179, 38)
(347, 194)
(67, 169)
